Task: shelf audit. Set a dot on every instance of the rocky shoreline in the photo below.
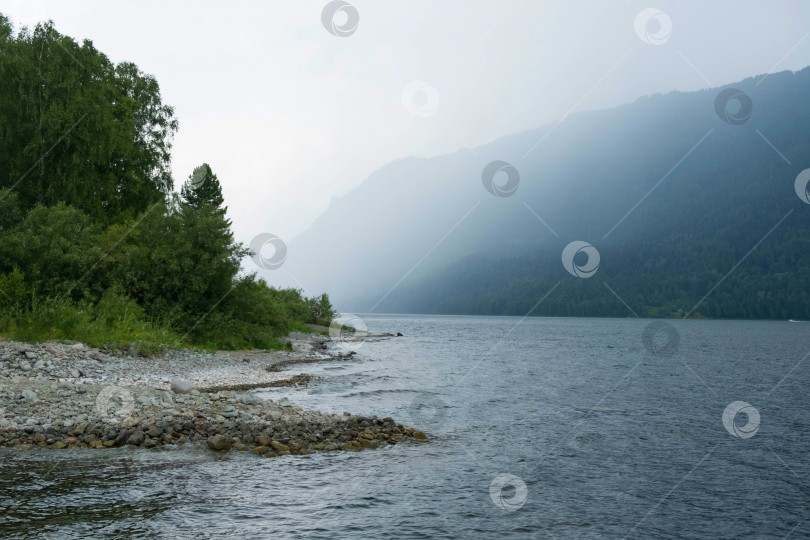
(59, 395)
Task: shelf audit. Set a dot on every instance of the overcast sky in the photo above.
(289, 115)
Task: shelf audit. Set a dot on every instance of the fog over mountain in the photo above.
(672, 191)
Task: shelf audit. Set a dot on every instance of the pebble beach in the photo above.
(69, 395)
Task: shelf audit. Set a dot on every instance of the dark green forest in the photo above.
(663, 281)
(714, 214)
(95, 244)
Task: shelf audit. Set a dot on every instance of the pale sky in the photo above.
(289, 115)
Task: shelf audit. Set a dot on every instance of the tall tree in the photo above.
(202, 188)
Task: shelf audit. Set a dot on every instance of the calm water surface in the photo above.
(609, 440)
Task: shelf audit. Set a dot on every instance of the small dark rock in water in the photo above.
(246, 360)
(218, 442)
(399, 334)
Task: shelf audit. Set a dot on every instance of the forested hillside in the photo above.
(672, 190)
(95, 244)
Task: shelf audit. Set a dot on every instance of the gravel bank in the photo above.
(70, 395)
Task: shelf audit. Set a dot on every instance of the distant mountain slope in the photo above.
(424, 236)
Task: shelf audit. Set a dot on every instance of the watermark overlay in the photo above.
(348, 331)
(428, 411)
(584, 269)
(197, 177)
(653, 26)
(115, 404)
(506, 188)
(733, 106)
(661, 339)
(340, 18)
(730, 415)
(800, 185)
(420, 98)
(508, 492)
(259, 246)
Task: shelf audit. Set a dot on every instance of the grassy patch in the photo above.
(54, 321)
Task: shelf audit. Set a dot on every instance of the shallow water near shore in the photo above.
(609, 439)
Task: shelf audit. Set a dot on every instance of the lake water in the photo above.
(543, 427)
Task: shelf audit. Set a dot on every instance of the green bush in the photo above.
(115, 323)
(320, 310)
(13, 292)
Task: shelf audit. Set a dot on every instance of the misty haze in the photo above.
(462, 269)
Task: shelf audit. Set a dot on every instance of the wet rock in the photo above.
(263, 440)
(219, 443)
(250, 399)
(136, 438)
(280, 447)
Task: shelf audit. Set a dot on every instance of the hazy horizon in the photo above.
(285, 111)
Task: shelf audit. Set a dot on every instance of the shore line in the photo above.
(68, 395)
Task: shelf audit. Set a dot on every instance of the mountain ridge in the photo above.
(711, 189)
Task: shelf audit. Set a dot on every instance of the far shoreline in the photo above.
(446, 315)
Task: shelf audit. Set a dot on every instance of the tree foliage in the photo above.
(94, 243)
(202, 188)
(79, 129)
